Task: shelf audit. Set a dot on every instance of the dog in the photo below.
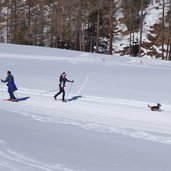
(155, 108)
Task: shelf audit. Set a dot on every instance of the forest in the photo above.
(85, 25)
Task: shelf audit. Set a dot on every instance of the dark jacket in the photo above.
(10, 83)
(62, 81)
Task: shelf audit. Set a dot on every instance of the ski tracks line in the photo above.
(85, 81)
(11, 159)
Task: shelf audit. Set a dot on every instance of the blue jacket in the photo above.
(10, 83)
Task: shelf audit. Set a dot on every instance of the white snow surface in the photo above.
(105, 124)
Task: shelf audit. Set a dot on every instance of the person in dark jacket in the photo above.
(62, 82)
(10, 84)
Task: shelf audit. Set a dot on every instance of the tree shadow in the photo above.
(22, 98)
(75, 98)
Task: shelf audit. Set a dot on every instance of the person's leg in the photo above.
(63, 96)
(55, 96)
(11, 94)
(60, 91)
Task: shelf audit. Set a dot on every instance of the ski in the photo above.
(10, 100)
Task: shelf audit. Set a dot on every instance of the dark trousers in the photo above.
(61, 90)
(11, 94)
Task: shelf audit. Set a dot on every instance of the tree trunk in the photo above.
(141, 28)
(163, 29)
(130, 33)
(111, 28)
(169, 34)
(97, 34)
(8, 24)
(168, 40)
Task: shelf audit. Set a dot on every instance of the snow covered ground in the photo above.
(105, 125)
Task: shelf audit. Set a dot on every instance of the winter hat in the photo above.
(9, 72)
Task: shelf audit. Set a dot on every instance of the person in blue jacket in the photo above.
(11, 85)
(62, 81)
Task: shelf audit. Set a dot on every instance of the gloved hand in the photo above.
(72, 81)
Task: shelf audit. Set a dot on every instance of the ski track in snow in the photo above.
(85, 82)
(125, 61)
(12, 160)
(108, 115)
(43, 108)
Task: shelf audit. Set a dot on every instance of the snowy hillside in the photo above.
(105, 124)
(152, 16)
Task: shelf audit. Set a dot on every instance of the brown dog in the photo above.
(155, 108)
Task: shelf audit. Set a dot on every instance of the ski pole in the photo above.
(2, 92)
(16, 95)
(69, 90)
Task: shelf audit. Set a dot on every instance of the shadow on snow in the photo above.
(75, 98)
(22, 98)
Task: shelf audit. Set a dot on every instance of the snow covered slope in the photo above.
(105, 125)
